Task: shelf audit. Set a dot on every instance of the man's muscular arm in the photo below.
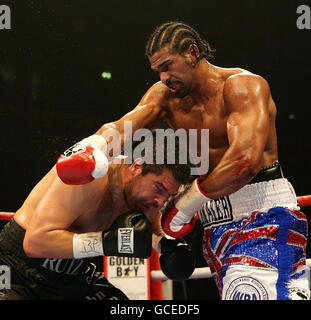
(88, 159)
(246, 99)
(49, 231)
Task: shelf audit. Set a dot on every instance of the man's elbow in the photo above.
(33, 247)
(246, 168)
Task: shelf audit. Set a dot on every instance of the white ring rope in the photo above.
(198, 273)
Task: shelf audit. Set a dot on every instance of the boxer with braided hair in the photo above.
(178, 36)
(254, 233)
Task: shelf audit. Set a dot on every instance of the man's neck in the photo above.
(116, 187)
(207, 84)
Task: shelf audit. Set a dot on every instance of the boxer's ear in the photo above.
(193, 52)
(137, 166)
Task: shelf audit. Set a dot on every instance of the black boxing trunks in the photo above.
(50, 279)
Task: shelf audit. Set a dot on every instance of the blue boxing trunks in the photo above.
(255, 243)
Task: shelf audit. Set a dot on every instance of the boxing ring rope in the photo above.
(199, 273)
(6, 215)
(304, 201)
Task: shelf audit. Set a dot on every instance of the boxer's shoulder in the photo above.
(244, 85)
(239, 83)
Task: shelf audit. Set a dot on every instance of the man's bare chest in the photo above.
(195, 119)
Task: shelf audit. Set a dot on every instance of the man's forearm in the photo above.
(50, 244)
(229, 177)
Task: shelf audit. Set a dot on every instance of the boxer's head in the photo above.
(148, 186)
(149, 190)
(173, 49)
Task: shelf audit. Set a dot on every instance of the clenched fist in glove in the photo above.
(176, 259)
(178, 219)
(129, 236)
(83, 162)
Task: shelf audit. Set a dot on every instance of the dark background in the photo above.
(52, 92)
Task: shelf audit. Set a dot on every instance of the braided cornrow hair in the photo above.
(178, 36)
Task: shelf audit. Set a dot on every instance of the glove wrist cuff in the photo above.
(97, 142)
(86, 245)
(192, 200)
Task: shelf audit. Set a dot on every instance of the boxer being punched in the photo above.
(254, 234)
(50, 243)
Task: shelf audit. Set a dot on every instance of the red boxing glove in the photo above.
(83, 162)
(178, 220)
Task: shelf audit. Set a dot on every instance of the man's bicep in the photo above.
(248, 127)
(58, 209)
(248, 121)
(144, 115)
(120, 133)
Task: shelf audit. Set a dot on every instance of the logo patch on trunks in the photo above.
(246, 288)
(216, 211)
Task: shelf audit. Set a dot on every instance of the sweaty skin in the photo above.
(54, 211)
(234, 104)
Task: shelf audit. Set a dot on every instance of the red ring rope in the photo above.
(303, 201)
(6, 215)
